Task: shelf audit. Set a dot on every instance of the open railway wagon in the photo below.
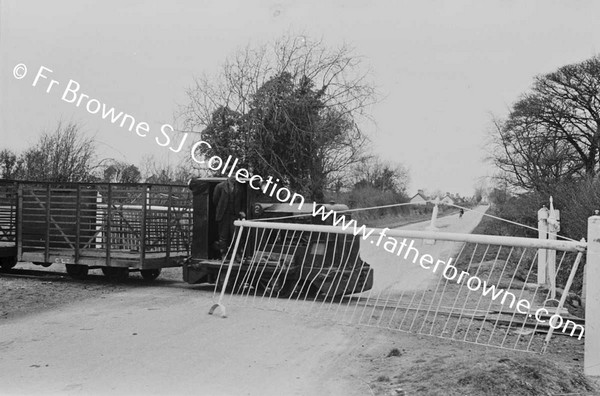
(115, 227)
(274, 260)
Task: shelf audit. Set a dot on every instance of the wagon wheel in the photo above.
(150, 274)
(77, 271)
(7, 263)
(118, 274)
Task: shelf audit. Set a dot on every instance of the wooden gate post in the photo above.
(553, 229)
(542, 253)
(591, 362)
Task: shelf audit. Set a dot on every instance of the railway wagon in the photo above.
(278, 262)
(115, 227)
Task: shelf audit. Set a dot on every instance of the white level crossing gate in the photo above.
(405, 282)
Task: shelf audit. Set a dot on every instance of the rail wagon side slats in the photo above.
(138, 226)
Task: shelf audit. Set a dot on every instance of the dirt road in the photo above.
(160, 340)
(393, 273)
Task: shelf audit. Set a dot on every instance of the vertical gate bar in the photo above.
(312, 265)
(409, 308)
(238, 280)
(351, 286)
(343, 264)
(218, 304)
(495, 325)
(460, 289)
(563, 298)
(329, 271)
(262, 266)
(523, 288)
(445, 281)
(47, 247)
(273, 282)
(476, 309)
(537, 323)
(509, 287)
(251, 277)
(433, 299)
(285, 268)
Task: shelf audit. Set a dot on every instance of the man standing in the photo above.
(228, 199)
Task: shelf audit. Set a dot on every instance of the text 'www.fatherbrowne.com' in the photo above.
(449, 271)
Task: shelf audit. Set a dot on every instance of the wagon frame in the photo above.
(113, 226)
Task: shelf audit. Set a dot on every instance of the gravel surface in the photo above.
(29, 288)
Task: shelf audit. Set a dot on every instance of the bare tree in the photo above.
(338, 72)
(531, 157)
(163, 172)
(293, 90)
(553, 132)
(65, 155)
(382, 175)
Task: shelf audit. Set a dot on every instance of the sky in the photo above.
(442, 68)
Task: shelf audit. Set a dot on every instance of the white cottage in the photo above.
(419, 199)
(447, 200)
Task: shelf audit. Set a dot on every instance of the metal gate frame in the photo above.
(592, 251)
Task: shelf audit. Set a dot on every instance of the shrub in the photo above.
(366, 196)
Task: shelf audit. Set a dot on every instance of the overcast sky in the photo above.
(442, 67)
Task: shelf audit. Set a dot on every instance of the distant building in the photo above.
(447, 200)
(419, 199)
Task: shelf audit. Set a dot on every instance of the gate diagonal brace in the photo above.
(218, 305)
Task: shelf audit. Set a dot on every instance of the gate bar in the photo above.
(569, 246)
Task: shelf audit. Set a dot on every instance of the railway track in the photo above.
(56, 275)
(29, 273)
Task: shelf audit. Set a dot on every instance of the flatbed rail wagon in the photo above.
(115, 227)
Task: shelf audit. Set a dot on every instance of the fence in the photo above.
(404, 282)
